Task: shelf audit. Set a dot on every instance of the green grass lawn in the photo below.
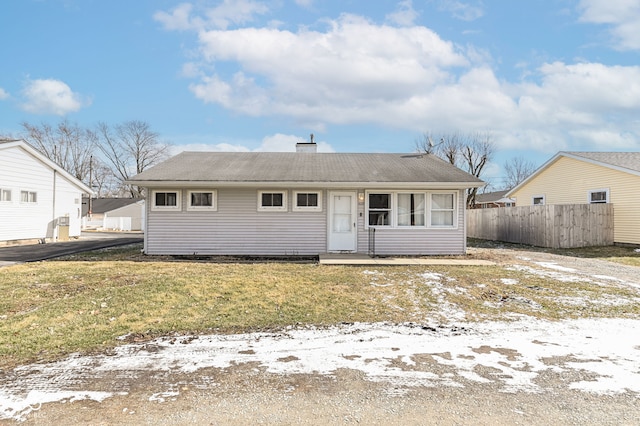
(86, 302)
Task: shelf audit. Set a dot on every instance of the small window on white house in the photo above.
(599, 196)
(307, 201)
(443, 208)
(28, 197)
(5, 194)
(379, 207)
(166, 200)
(269, 201)
(202, 200)
(537, 200)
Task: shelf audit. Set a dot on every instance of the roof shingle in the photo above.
(253, 167)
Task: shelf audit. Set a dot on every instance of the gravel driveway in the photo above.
(523, 372)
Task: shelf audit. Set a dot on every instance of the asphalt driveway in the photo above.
(86, 242)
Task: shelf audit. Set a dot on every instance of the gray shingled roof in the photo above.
(102, 205)
(490, 197)
(261, 167)
(625, 160)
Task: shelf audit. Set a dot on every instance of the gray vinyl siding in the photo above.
(237, 228)
(415, 241)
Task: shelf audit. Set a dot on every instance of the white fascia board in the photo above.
(39, 156)
(309, 185)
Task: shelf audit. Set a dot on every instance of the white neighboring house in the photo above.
(39, 200)
(118, 214)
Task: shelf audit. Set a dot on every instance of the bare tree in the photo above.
(66, 144)
(516, 170)
(130, 148)
(470, 152)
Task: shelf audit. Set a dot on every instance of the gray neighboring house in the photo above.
(304, 203)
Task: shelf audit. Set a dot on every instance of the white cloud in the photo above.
(358, 72)
(623, 17)
(405, 15)
(229, 12)
(464, 11)
(49, 96)
(179, 18)
(304, 3)
(287, 143)
(275, 143)
(336, 76)
(3, 94)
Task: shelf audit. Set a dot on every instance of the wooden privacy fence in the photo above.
(553, 226)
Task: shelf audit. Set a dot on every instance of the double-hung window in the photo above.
(166, 200)
(380, 209)
(5, 194)
(443, 208)
(202, 200)
(406, 210)
(272, 201)
(307, 201)
(28, 197)
(411, 209)
(599, 196)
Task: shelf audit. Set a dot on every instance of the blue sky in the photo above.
(364, 76)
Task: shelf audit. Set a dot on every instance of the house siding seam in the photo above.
(578, 178)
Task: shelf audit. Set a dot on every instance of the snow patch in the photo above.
(509, 354)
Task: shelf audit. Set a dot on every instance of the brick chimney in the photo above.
(307, 146)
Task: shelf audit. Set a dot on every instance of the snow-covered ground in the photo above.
(606, 352)
(594, 355)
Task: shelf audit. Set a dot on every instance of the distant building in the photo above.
(493, 199)
(119, 214)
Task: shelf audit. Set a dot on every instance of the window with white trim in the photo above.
(165, 200)
(202, 200)
(411, 209)
(406, 210)
(269, 201)
(28, 197)
(379, 207)
(538, 200)
(442, 210)
(5, 194)
(599, 196)
(307, 201)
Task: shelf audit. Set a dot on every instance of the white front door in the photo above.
(342, 221)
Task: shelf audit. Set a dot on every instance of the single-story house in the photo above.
(589, 177)
(121, 214)
(39, 201)
(304, 203)
(490, 200)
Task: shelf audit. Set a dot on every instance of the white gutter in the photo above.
(298, 184)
